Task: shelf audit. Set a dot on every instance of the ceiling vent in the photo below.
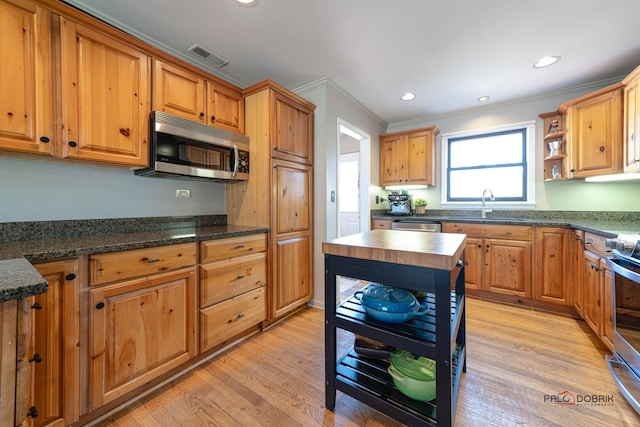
(217, 60)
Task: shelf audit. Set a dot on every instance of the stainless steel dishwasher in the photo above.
(417, 225)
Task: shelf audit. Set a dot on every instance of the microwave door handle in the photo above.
(235, 160)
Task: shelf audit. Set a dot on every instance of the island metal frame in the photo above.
(438, 335)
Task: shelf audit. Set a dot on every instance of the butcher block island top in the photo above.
(420, 249)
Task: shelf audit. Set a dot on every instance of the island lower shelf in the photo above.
(368, 381)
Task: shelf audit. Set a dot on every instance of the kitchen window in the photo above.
(500, 159)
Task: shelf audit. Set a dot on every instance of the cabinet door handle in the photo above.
(70, 276)
(100, 305)
(588, 242)
(240, 276)
(240, 316)
(33, 412)
(201, 114)
(35, 358)
(151, 261)
(45, 139)
(36, 306)
(239, 246)
(73, 144)
(508, 232)
(213, 119)
(601, 148)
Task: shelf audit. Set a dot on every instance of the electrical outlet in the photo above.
(377, 200)
(183, 193)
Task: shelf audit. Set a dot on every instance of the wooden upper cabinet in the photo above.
(225, 106)
(185, 93)
(178, 91)
(595, 132)
(26, 78)
(293, 133)
(408, 158)
(105, 97)
(631, 138)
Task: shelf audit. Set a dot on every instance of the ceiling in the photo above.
(448, 53)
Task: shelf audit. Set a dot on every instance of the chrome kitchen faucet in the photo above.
(484, 209)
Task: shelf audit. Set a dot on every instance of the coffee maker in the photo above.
(399, 204)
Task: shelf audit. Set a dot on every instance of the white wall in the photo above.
(42, 190)
(333, 103)
(575, 195)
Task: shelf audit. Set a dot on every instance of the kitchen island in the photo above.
(429, 262)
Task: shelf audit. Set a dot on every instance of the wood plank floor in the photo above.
(515, 357)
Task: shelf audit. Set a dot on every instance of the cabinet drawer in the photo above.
(596, 243)
(221, 280)
(229, 318)
(494, 231)
(213, 250)
(380, 224)
(109, 267)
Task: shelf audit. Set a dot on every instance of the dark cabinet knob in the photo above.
(36, 358)
(100, 305)
(36, 306)
(33, 412)
(201, 114)
(601, 148)
(573, 170)
(213, 119)
(44, 139)
(73, 144)
(70, 276)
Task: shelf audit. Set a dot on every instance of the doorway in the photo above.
(352, 180)
(353, 187)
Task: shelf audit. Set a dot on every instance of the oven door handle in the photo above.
(613, 263)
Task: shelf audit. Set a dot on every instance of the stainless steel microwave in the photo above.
(185, 149)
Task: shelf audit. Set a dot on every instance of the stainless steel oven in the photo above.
(625, 362)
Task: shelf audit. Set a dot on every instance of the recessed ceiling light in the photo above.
(546, 61)
(483, 98)
(408, 96)
(247, 2)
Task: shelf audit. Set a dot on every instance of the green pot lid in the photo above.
(416, 367)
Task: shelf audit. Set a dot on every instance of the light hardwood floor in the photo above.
(515, 357)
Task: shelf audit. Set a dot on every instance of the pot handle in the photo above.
(396, 374)
(424, 309)
(358, 295)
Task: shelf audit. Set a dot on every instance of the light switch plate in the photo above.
(183, 193)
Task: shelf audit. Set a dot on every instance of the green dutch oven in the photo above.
(414, 376)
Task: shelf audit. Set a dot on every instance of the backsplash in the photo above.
(36, 230)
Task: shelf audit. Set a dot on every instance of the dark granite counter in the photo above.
(19, 279)
(607, 224)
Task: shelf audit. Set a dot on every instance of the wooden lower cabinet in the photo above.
(54, 346)
(508, 267)
(552, 265)
(472, 259)
(497, 258)
(607, 304)
(292, 287)
(591, 291)
(139, 330)
(231, 317)
(15, 328)
(233, 288)
(381, 224)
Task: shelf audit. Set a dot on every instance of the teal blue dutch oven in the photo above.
(389, 304)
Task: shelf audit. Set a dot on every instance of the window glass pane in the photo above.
(505, 182)
(492, 149)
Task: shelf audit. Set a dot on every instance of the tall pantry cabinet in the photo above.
(279, 192)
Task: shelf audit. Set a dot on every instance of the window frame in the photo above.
(529, 173)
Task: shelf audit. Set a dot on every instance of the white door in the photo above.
(349, 193)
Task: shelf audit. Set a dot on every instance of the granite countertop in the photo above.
(605, 228)
(19, 279)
